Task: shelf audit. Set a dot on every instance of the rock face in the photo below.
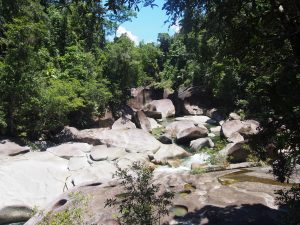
(201, 142)
(163, 106)
(142, 121)
(123, 123)
(9, 148)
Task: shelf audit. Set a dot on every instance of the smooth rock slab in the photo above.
(9, 148)
(32, 179)
(78, 163)
(69, 150)
(102, 152)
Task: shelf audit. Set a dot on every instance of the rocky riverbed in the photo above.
(209, 189)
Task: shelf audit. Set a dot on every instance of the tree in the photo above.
(253, 50)
(140, 203)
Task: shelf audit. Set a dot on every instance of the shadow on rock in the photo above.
(256, 214)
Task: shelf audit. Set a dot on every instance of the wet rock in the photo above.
(165, 139)
(9, 148)
(14, 214)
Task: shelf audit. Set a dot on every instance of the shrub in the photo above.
(72, 215)
(290, 200)
(141, 202)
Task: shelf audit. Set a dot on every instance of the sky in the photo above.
(148, 23)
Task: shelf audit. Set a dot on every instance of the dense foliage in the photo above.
(141, 202)
(57, 68)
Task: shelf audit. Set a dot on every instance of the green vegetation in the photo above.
(289, 199)
(71, 215)
(198, 171)
(141, 202)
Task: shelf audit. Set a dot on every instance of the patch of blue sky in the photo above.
(146, 26)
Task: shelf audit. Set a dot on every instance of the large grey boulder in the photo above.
(201, 142)
(9, 148)
(133, 140)
(69, 150)
(154, 124)
(185, 131)
(230, 127)
(14, 214)
(236, 151)
(235, 138)
(250, 127)
(247, 127)
(142, 121)
(163, 106)
(192, 133)
(123, 123)
(234, 116)
(169, 152)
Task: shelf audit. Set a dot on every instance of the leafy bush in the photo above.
(290, 200)
(72, 215)
(141, 202)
